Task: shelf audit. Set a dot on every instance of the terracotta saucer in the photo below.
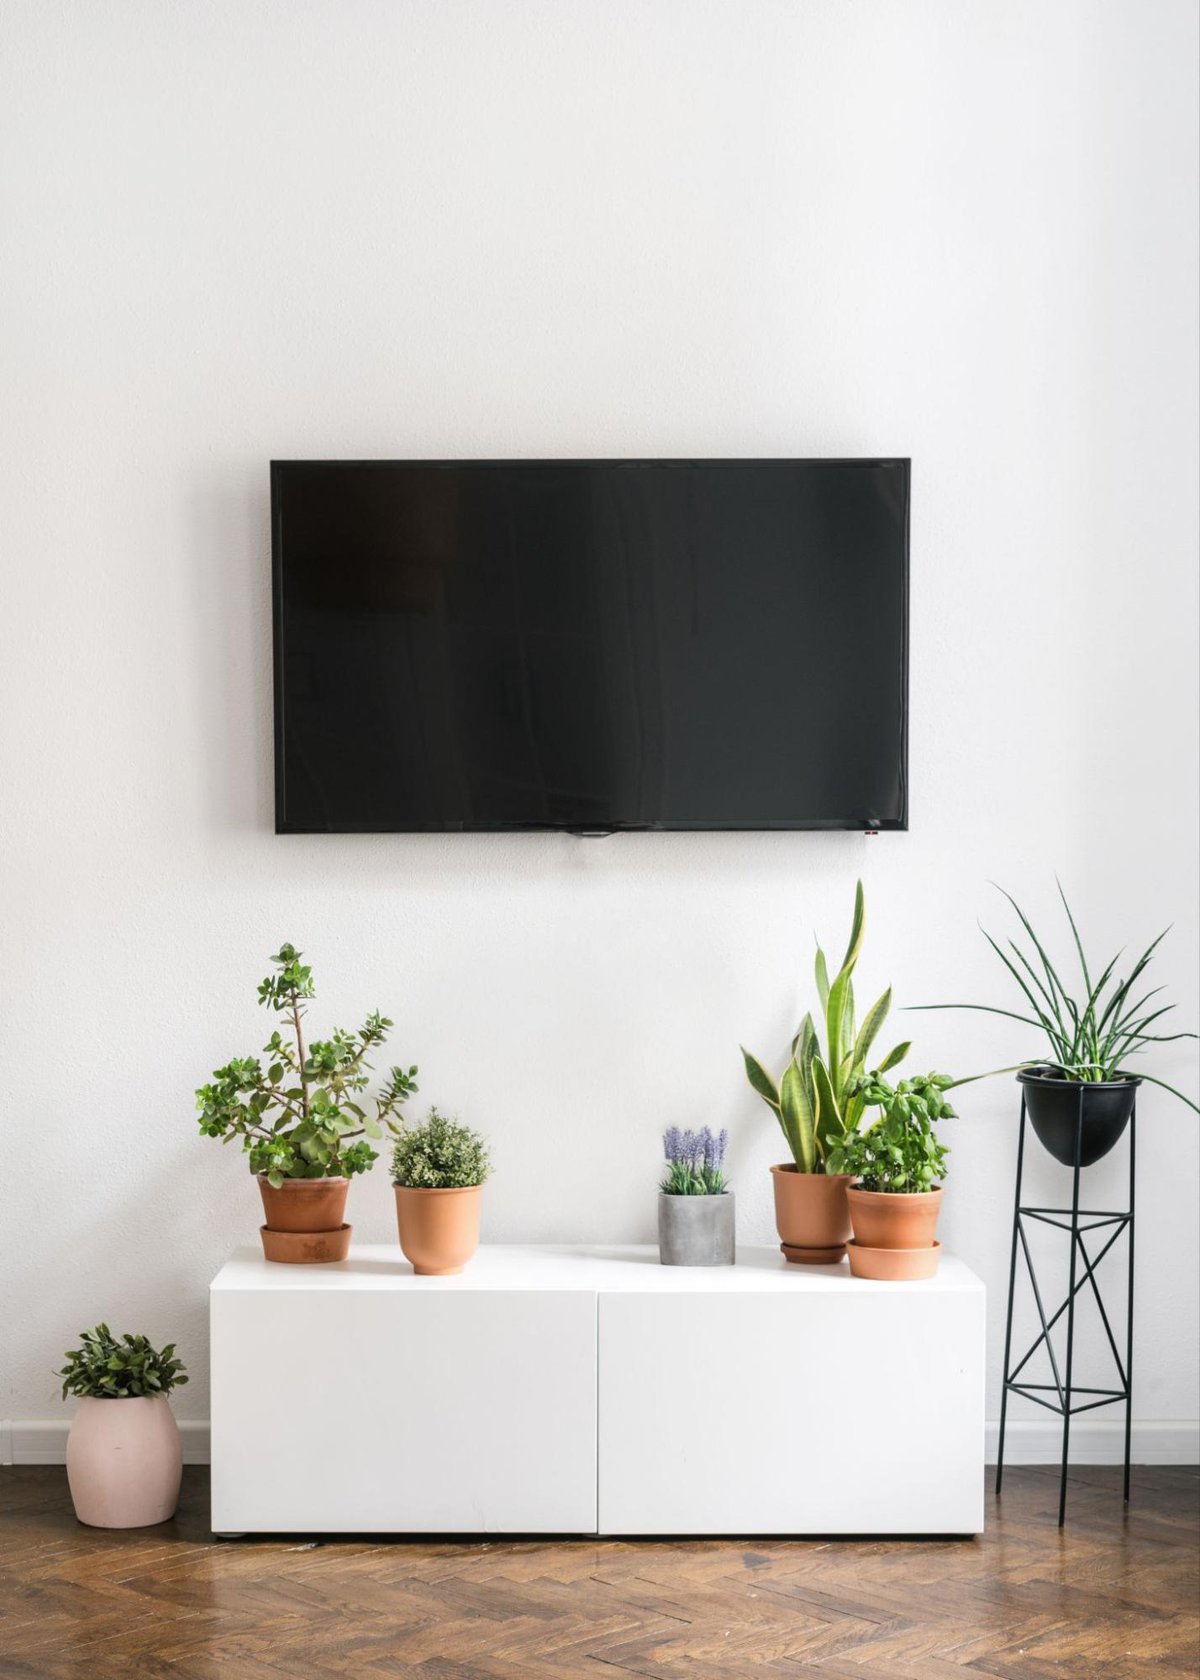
(893, 1265)
(813, 1256)
(306, 1248)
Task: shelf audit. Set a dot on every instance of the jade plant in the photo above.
(899, 1151)
(818, 1101)
(439, 1154)
(108, 1367)
(301, 1115)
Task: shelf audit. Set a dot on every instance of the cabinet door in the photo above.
(392, 1411)
(834, 1412)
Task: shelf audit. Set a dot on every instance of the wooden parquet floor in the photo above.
(1114, 1597)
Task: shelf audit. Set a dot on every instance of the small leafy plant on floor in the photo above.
(108, 1367)
(300, 1116)
(899, 1151)
(694, 1162)
(439, 1154)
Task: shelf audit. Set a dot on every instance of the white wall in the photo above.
(550, 227)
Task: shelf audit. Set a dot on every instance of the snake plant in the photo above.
(816, 1101)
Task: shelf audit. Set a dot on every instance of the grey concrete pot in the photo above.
(695, 1230)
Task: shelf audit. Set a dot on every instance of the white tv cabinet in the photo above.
(591, 1390)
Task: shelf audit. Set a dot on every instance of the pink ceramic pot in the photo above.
(124, 1462)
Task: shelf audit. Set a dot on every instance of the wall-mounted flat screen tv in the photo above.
(593, 646)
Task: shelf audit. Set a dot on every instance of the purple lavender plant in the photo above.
(694, 1162)
(714, 1149)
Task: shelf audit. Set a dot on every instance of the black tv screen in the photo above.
(590, 645)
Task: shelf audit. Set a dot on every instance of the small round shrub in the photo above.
(439, 1155)
(108, 1367)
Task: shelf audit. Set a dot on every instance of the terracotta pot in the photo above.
(306, 1248)
(893, 1265)
(891, 1219)
(304, 1204)
(124, 1462)
(811, 1215)
(439, 1229)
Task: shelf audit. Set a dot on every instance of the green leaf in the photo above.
(894, 1056)
(1051, 972)
(1049, 996)
(1162, 1084)
(797, 1117)
(829, 1122)
(760, 1079)
(1087, 979)
(984, 1008)
(857, 929)
(834, 1027)
(804, 1035)
(849, 1030)
(810, 1046)
(822, 980)
(875, 1018)
(1116, 1003)
(841, 994)
(1052, 1025)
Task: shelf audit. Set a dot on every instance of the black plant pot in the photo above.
(1053, 1107)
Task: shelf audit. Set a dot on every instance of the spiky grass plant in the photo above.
(1092, 1035)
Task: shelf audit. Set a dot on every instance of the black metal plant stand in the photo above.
(1070, 1219)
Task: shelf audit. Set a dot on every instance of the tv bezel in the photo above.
(894, 825)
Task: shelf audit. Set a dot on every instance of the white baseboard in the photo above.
(1093, 1441)
(46, 1443)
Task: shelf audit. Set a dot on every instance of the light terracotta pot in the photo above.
(811, 1215)
(893, 1265)
(304, 1204)
(305, 1248)
(890, 1219)
(124, 1462)
(439, 1229)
